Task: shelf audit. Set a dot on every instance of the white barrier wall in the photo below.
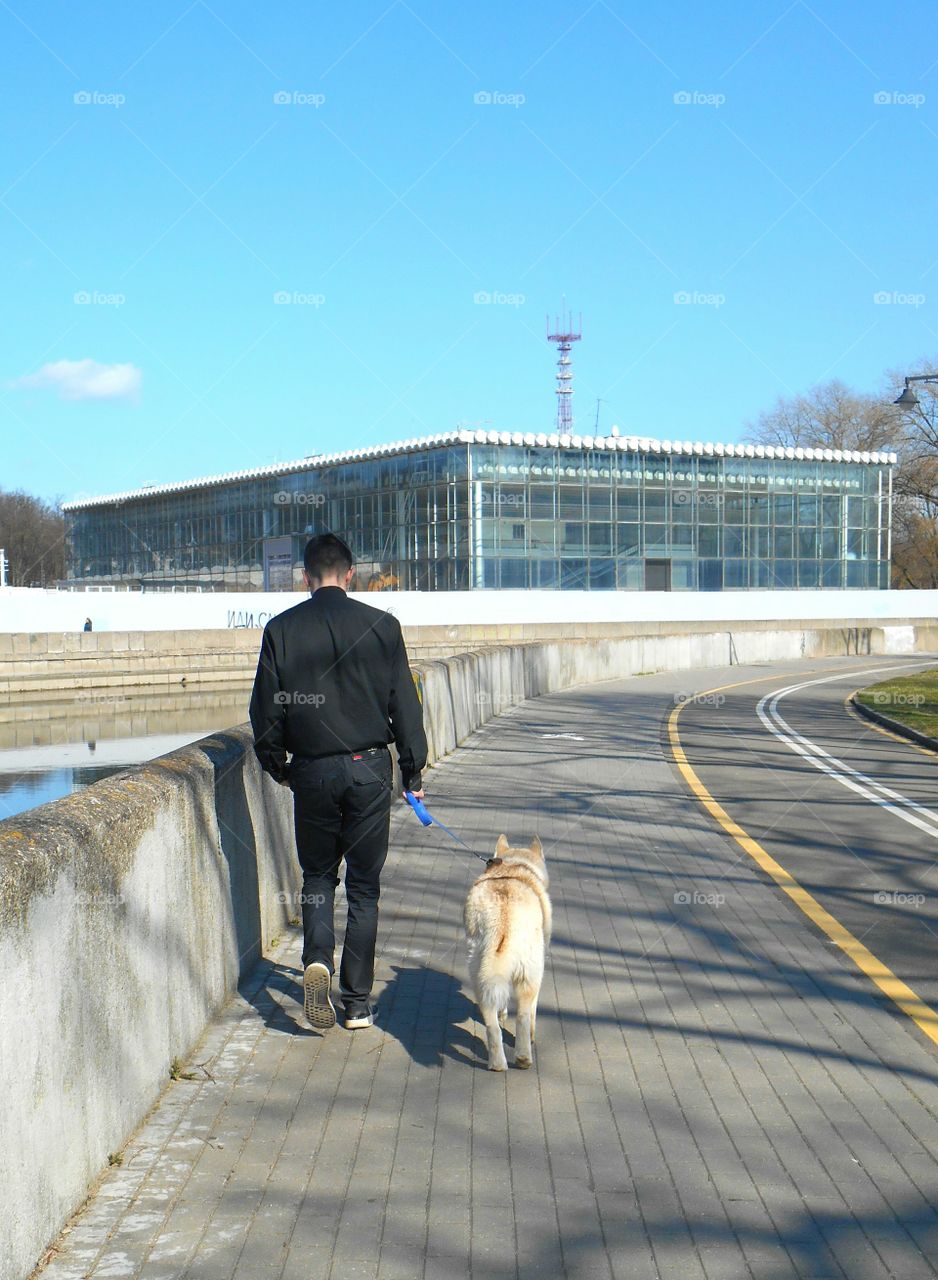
(32, 610)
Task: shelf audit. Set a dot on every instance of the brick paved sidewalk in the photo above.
(716, 1094)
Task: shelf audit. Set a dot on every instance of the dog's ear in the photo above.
(537, 847)
(501, 845)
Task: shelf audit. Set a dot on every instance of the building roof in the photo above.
(630, 444)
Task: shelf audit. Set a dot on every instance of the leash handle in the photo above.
(418, 807)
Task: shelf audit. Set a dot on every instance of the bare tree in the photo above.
(32, 533)
(919, 430)
(832, 416)
(915, 540)
(829, 416)
(914, 546)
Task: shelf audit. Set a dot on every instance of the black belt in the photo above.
(336, 755)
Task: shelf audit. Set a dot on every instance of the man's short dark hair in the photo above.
(326, 556)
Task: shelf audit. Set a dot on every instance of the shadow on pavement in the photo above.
(426, 1010)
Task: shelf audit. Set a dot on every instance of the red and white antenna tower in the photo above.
(563, 337)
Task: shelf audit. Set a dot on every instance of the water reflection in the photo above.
(49, 748)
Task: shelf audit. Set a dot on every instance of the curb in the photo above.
(896, 726)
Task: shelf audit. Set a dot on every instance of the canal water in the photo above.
(50, 748)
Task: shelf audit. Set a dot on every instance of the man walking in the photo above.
(334, 688)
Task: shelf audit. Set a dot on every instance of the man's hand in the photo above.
(418, 795)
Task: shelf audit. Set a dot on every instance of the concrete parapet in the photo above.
(127, 913)
(129, 910)
(34, 663)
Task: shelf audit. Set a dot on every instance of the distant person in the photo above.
(334, 688)
(87, 626)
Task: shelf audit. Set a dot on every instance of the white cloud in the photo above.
(87, 380)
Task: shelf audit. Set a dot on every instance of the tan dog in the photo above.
(508, 920)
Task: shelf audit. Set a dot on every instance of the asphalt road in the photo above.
(851, 813)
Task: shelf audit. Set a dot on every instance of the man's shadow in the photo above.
(425, 1009)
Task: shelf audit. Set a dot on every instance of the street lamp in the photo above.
(907, 399)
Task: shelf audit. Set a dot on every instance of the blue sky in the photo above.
(723, 249)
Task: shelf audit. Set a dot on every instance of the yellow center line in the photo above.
(892, 986)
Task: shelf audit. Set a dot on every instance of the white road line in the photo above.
(876, 792)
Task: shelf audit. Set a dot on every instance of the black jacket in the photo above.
(333, 677)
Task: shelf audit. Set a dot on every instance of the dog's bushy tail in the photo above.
(493, 989)
(492, 981)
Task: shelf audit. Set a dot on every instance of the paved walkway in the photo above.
(717, 1094)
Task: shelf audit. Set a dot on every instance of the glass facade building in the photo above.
(485, 510)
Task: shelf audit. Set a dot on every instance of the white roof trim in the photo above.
(623, 444)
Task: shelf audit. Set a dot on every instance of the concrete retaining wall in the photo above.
(129, 910)
(44, 664)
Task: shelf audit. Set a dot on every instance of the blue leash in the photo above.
(423, 813)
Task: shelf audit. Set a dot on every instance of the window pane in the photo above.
(630, 574)
(735, 573)
(573, 575)
(733, 543)
(708, 540)
(629, 539)
(784, 508)
(831, 511)
(784, 571)
(830, 544)
(602, 575)
(807, 544)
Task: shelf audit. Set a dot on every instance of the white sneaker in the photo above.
(317, 1000)
(358, 1015)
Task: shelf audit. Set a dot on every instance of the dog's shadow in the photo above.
(428, 1013)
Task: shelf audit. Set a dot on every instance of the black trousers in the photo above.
(341, 809)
